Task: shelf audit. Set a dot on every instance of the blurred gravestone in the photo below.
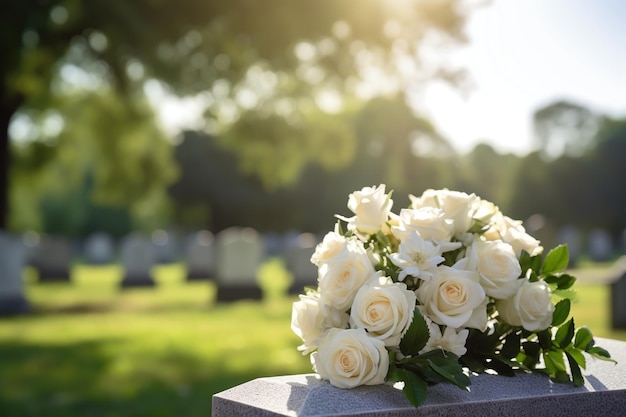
(138, 257)
(98, 249)
(297, 257)
(12, 300)
(600, 245)
(570, 236)
(618, 302)
(165, 245)
(30, 242)
(53, 259)
(239, 254)
(274, 244)
(200, 256)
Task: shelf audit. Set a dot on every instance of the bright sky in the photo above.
(525, 54)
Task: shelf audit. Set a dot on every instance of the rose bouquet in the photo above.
(447, 287)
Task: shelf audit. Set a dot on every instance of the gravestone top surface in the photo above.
(603, 394)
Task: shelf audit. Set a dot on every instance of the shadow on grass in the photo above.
(96, 379)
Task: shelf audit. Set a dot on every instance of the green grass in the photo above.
(89, 349)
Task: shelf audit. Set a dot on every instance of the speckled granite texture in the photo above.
(604, 394)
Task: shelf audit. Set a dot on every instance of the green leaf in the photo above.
(554, 362)
(452, 373)
(561, 311)
(577, 376)
(551, 279)
(502, 366)
(569, 294)
(600, 353)
(414, 388)
(566, 281)
(556, 260)
(416, 336)
(531, 351)
(584, 338)
(527, 262)
(564, 334)
(545, 338)
(533, 277)
(511, 345)
(577, 355)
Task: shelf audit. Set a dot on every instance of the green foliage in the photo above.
(510, 348)
(417, 370)
(416, 336)
(556, 260)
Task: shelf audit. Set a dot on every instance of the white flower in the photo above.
(307, 322)
(430, 222)
(417, 257)
(484, 210)
(334, 318)
(450, 340)
(341, 277)
(498, 267)
(332, 245)
(512, 232)
(457, 205)
(371, 207)
(349, 358)
(384, 309)
(455, 298)
(531, 307)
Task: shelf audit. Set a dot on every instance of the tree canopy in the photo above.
(280, 65)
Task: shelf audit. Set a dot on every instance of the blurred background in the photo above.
(167, 167)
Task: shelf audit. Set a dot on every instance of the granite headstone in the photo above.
(98, 249)
(297, 258)
(600, 245)
(618, 302)
(53, 259)
(602, 395)
(138, 257)
(239, 253)
(12, 299)
(200, 256)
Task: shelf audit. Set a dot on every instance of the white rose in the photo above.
(458, 206)
(429, 222)
(349, 358)
(332, 245)
(384, 309)
(498, 267)
(512, 232)
(340, 278)
(530, 308)
(450, 340)
(339, 319)
(455, 298)
(307, 322)
(484, 210)
(371, 207)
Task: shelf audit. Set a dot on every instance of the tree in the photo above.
(566, 128)
(323, 47)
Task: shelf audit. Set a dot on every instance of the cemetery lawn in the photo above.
(90, 349)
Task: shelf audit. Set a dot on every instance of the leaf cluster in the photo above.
(418, 371)
(508, 349)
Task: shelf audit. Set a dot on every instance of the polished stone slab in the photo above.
(604, 394)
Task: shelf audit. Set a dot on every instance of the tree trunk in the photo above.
(4, 170)
(7, 110)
